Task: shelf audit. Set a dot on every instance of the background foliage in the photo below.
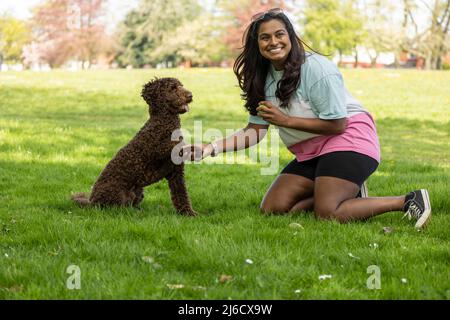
(173, 32)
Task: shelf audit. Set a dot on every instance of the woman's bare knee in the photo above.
(267, 208)
(285, 192)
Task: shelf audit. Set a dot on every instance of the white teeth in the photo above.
(186, 108)
(276, 50)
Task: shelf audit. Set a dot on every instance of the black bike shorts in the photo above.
(347, 165)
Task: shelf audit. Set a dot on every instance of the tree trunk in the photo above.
(438, 63)
(396, 61)
(433, 62)
(373, 61)
(428, 61)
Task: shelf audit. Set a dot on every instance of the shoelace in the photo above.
(414, 211)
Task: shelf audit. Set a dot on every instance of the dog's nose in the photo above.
(189, 95)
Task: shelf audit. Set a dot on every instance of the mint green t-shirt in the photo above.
(321, 94)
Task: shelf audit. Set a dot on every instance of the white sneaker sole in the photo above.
(364, 191)
(427, 210)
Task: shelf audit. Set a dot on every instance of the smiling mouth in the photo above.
(275, 50)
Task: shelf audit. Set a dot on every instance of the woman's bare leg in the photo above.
(303, 205)
(334, 198)
(308, 204)
(286, 192)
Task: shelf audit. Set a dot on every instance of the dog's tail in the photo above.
(82, 199)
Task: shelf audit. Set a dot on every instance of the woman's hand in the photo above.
(197, 152)
(272, 114)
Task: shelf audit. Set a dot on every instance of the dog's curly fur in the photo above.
(146, 159)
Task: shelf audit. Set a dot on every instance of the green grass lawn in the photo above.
(59, 129)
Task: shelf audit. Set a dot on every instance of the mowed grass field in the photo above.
(59, 129)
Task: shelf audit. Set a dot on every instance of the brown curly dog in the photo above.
(146, 159)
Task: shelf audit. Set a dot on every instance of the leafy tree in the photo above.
(433, 41)
(69, 29)
(134, 41)
(195, 43)
(14, 35)
(152, 25)
(333, 26)
(383, 34)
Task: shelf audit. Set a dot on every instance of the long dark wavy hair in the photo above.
(251, 67)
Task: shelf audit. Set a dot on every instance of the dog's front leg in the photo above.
(139, 196)
(178, 191)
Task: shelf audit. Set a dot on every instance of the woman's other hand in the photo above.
(272, 114)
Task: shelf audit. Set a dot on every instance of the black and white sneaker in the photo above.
(363, 192)
(417, 206)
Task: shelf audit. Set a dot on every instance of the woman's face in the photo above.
(274, 43)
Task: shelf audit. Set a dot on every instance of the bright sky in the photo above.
(17, 8)
(116, 9)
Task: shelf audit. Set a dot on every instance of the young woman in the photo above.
(332, 136)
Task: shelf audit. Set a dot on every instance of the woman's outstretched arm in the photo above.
(241, 139)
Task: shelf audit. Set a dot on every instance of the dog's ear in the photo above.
(150, 90)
